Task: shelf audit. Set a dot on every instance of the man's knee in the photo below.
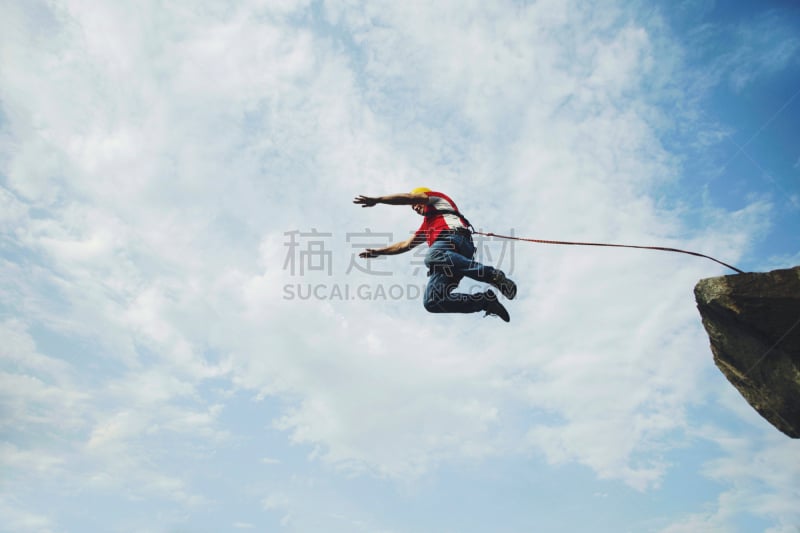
(431, 305)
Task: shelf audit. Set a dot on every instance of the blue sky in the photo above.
(171, 362)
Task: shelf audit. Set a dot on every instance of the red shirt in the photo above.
(434, 223)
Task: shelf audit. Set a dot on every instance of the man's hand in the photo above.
(365, 201)
(369, 253)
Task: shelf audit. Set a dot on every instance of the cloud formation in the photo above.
(157, 158)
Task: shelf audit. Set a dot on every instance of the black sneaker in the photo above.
(494, 307)
(507, 287)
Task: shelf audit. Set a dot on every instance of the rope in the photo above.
(660, 248)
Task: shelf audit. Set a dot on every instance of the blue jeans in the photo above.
(449, 260)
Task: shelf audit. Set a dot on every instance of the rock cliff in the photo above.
(753, 322)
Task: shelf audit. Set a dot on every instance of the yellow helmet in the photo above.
(420, 190)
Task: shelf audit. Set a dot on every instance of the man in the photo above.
(450, 256)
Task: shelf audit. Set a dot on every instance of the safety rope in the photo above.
(660, 248)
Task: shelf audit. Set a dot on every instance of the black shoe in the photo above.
(494, 307)
(507, 287)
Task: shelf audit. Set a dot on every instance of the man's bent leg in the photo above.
(454, 255)
(453, 258)
(464, 251)
(441, 298)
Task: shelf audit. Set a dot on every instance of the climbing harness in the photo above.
(434, 212)
(659, 248)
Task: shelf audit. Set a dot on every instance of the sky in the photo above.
(191, 344)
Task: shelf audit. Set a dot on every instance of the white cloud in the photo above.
(761, 476)
(762, 49)
(784, 261)
(30, 461)
(17, 519)
(38, 394)
(12, 211)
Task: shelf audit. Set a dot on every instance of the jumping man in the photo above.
(450, 256)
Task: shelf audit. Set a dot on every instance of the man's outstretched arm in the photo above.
(393, 199)
(396, 248)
